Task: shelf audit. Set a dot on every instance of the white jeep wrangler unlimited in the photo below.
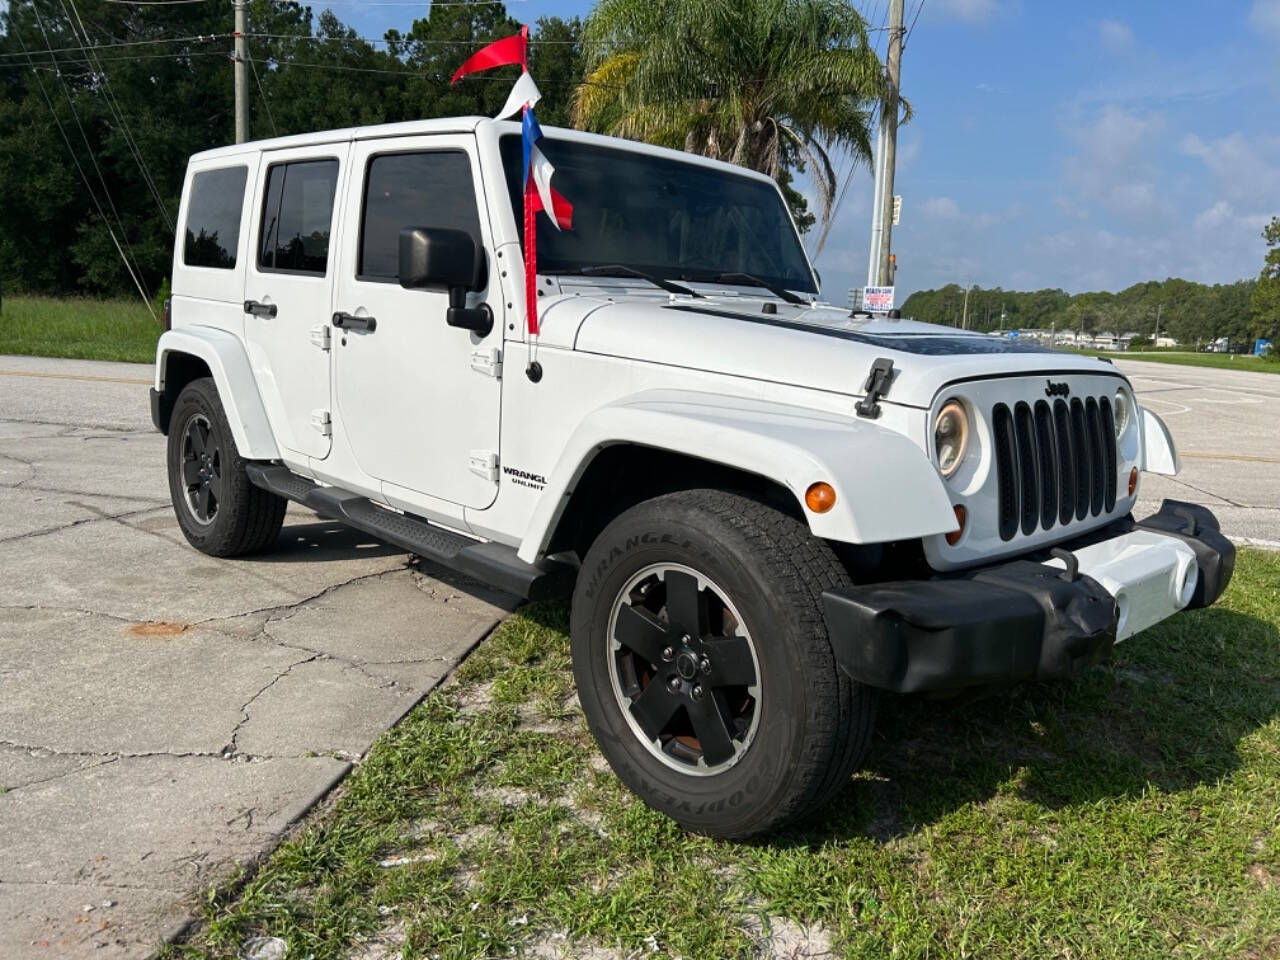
(773, 509)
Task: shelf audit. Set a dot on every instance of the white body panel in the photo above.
(293, 371)
(407, 396)
(792, 445)
(769, 390)
(224, 354)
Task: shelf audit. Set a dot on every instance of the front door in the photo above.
(288, 292)
(416, 398)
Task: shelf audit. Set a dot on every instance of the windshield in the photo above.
(667, 218)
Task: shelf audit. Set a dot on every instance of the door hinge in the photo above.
(321, 422)
(321, 337)
(488, 361)
(484, 464)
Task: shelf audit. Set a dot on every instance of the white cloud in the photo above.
(1114, 167)
(940, 207)
(1264, 16)
(1246, 169)
(1115, 36)
(972, 10)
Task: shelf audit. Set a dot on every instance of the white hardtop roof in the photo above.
(408, 128)
(411, 128)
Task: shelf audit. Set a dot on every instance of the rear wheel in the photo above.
(220, 512)
(703, 664)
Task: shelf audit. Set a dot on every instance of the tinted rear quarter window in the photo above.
(413, 190)
(297, 216)
(213, 218)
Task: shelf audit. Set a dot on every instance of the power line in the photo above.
(84, 178)
(265, 103)
(81, 48)
(94, 160)
(919, 7)
(113, 106)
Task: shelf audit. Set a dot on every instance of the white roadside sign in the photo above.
(877, 299)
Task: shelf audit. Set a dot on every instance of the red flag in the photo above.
(500, 53)
(563, 211)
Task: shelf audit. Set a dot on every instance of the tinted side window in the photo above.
(297, 215)
(413, 190)
(213, 218)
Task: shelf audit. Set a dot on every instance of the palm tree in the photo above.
(768, 84)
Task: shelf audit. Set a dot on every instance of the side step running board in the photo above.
(493, 563)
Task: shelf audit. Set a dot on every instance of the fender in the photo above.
(886, 487)
(1159, 454)
(228, 361)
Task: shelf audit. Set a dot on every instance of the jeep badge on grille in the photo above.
(1052, 389)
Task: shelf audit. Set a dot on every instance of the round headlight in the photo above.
(951, 436)
(1122, 411)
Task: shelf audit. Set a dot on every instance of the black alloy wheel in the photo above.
(684, 669)
(201, 469)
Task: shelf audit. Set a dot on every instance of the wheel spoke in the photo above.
(731, 663)
(202, 503)
(686, 610)
(191, 472)
(711, 729)
(639, 631)
(654, 708)
(199, 438)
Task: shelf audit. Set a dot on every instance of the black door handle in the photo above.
(260, 309)
(346, 321)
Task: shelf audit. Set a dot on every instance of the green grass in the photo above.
(1225, 361)
(82, 329)
(1132, 812)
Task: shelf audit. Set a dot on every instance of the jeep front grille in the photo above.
(1053, 464)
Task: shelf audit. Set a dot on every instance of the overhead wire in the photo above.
(106, 191)
(261, 92)
(84, 177)
(113, 106)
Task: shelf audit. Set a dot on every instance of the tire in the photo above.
(797, 733)
(220, 512)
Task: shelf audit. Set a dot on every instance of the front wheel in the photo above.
(703, 664)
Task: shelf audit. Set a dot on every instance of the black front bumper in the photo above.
(1005, 623)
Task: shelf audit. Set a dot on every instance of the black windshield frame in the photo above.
(709, 207)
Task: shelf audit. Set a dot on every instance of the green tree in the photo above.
(1265, 300)
(770, 84)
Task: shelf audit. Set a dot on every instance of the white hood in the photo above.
(820, 347)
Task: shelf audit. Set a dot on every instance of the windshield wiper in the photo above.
(780, 292)
(619, 269)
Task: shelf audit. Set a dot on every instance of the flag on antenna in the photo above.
(539, 195)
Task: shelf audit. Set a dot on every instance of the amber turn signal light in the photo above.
(820, 497)
(961, 516)
(1133, 481)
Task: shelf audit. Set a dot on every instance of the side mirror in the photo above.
(436, 257)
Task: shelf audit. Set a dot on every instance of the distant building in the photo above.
(1166, 341)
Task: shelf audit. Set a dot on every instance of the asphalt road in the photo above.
(164, 716)
(1226, 425)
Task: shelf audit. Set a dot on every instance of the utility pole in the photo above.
(1159, 307)
(242, 77)
(964, 322)
(878, 272)
(889, 122)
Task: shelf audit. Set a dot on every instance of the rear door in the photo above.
(288, 292)
(419, 400)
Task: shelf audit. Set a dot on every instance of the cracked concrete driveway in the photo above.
(164, 715)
